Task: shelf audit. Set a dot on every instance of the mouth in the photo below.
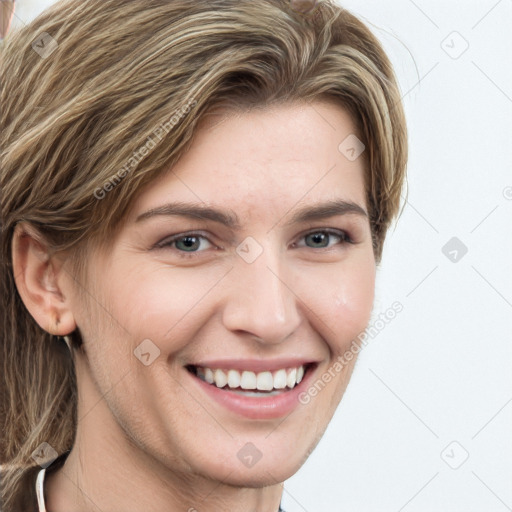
(264, 394)
(249, 383)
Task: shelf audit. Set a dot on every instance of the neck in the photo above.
(106, 470)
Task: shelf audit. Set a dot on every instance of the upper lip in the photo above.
(255, 365)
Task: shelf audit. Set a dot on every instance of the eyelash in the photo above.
(168, 242)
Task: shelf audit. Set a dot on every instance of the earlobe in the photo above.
(40, 281)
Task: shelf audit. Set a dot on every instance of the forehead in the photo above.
(264, 160)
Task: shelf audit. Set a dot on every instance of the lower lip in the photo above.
(256, 408)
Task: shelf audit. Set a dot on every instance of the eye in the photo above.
(320, 239)
(190, 242)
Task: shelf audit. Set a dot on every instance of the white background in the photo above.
(438, 375)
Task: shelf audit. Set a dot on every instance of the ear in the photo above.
(42, 283)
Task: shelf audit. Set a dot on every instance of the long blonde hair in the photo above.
(89, 83)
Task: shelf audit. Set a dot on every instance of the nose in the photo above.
(261, 301)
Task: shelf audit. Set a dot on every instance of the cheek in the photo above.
(163, 301)
(347, 304)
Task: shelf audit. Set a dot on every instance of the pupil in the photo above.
(318, 238)
(188, 242)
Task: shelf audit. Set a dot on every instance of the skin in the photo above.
(146, 439)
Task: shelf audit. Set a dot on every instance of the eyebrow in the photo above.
(230, 219)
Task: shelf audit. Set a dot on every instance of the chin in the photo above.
(256, 477)
(273, 466)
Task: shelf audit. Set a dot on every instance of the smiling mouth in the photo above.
(249, 383)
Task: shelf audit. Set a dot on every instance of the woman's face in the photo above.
(277, 274)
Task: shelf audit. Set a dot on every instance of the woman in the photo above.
(195, 196)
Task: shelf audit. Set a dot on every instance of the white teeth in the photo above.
(248, 380)
(233, 379)
(300, 373)
(264, 381)
(280, 379)
(220, 378)
(208, 376)
(291, 378)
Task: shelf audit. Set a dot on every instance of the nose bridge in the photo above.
(261, 301)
